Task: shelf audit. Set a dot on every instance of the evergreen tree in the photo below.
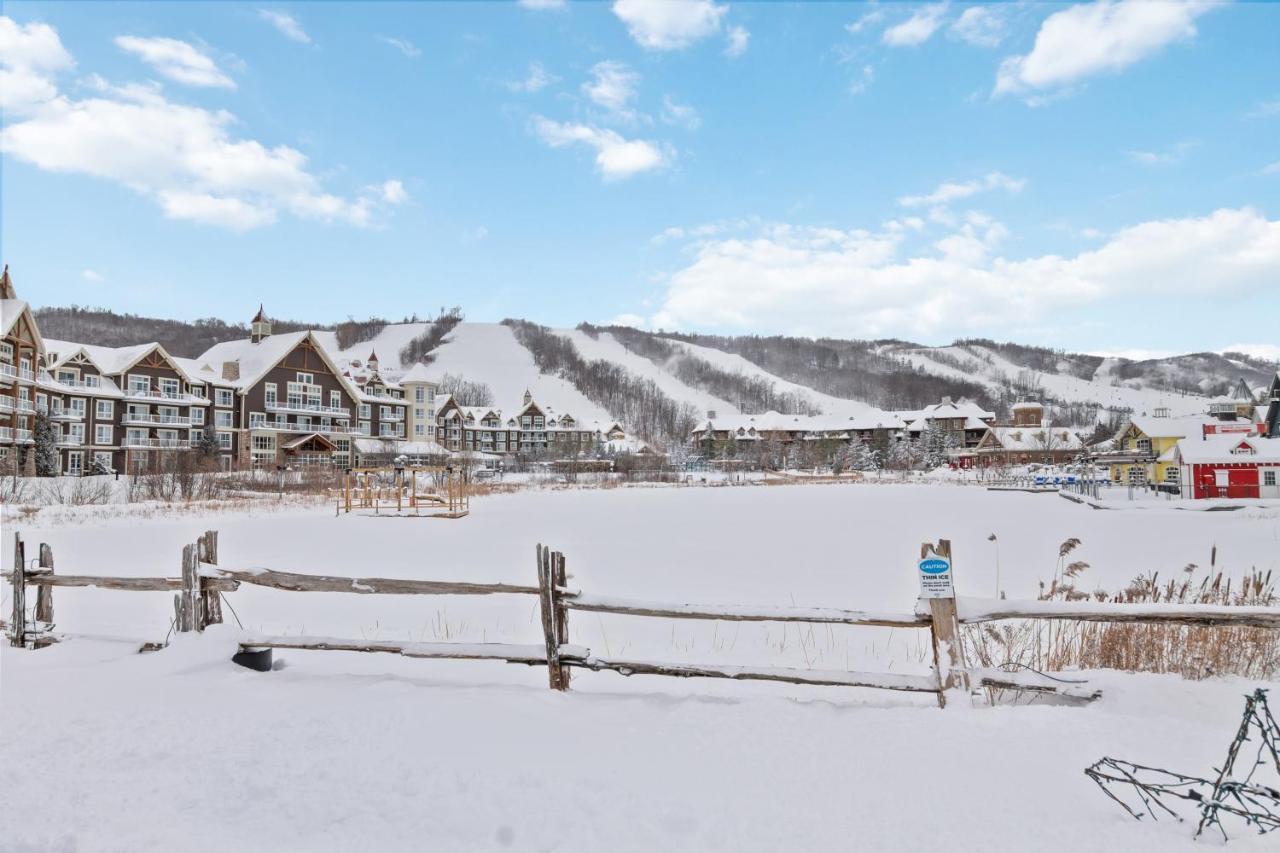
(46, 449)
(208, 443)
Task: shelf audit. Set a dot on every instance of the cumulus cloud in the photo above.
(178, 60)
(30, 55)
(982, 26)
(616, 156)
(667, 24)
(955, 190)
(738, 38)
(612, 86)
(393, 192)
(537, 79)
(92, 275)
(917, 29)
(869, 19)
(185, 158)
(1107, 36)
(286, 24)
(634, 321)
(825, 281)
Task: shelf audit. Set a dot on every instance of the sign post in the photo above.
(936, 587)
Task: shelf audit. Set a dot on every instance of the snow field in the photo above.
(341, 751)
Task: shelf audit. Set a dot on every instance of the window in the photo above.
(1269, 478)
(139, 384)
(364, 428)
(170, 387)
(42, 403)
(77, 406)
(197, 416)
(67, 376)
(1144, 445)
(419, 413)
(223, 398)
(75, 463)
(197, 390)
(264, 442)
(269, 393)
(224, 440)
(92, 381)
(222, 419)
(365, 410)
(384, 412)
(335, 399)
(76, 432)
(102, 434)
(420, 394)
(6, 352)
(418, 429)
(257, 420)
(104, 410)
(306, 379)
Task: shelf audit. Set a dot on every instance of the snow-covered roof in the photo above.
(405, 448)
(1024, 405)
(200, 371)
(1182, 427)
(10, 311)
(256, 359)
(776, 422)
(1036, 438)
(1219, 448)
(420, 373)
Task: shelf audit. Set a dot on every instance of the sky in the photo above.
(1100, 177)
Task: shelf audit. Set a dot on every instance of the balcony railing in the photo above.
(23, 435)
(1222, 408)
(66, 415)
(69, 383)
(339, 429)
(26, 374)
(392, 417)
(6, 434)
(165, 396)
(70, 440)
(157, 443)
(8, 372)
(308, 408)
(156, 420)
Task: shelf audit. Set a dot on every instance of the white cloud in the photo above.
(405, 46)
(536, 80)
(1085, 40)
(982, 26)
(669, 24)
(1172, 156)
(1265, 109)
(1270, 352)
(738, 38)
(612, 86)
(680, 114)
(863, 80)
(178, 60)
(823, 281)
(393, 192)
(917, 29)
(184, 158)
(954, 191)
(30, 55)
(91, 275)
(1135, 354)
(286, 24)
(541, 5)
(870, 19)
(1272, 169)
(616, 157)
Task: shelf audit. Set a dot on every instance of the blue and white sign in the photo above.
(935, 577)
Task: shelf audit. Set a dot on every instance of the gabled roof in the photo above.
(12, 310)
(256, 359)
(419, 373)
(1218, 448)
(1032, 438)
(109, 360)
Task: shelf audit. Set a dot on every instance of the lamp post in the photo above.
(280, 482)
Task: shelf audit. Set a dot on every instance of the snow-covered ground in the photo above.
(336, 751)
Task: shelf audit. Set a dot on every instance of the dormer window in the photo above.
(1243, 450)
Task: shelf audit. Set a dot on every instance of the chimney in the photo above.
(6, 285)
(231, 371)
(711, 414)
(946, 401)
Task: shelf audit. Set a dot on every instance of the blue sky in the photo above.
(1102, 177)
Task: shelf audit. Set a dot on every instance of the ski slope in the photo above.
(490, 353)
(387, 344)
(610, 349)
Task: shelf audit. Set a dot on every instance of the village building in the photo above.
(1031, 438)
(738, 433)
(421, 387)
(1228, 466)
(965, 422)
(532, 429)
(21, 352)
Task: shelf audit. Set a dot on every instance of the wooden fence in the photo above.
(202, 583)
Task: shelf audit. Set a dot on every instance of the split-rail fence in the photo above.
(202, 583)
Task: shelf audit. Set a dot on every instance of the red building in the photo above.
(1229, 466)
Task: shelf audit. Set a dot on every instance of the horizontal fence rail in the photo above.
(200, 588)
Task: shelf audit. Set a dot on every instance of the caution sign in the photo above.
(935, 577)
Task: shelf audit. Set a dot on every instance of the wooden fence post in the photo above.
(188, 612)
(44, 594)
(547, 606)
(558, 582)
(18, 621)
(948, 654)
(210, 599)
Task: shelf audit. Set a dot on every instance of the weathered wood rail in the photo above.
(200, 588)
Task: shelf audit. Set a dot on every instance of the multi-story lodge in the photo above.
(21, 351)
(533, 428)
(875, 429)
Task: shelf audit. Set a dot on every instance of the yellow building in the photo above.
(1143, 449)
(420, 389)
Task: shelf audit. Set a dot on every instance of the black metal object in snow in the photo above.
(1154, 792)
(255, 659)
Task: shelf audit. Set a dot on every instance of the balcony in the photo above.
(1223, 408)
(179, 397)
(393, 417)
(70, 383)
(26, 374)
(335, 429)
(23, 435)
(149, 419)
(66, 415)
(301, 408)
(157, 443)
(8, 372)
(70, 440)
